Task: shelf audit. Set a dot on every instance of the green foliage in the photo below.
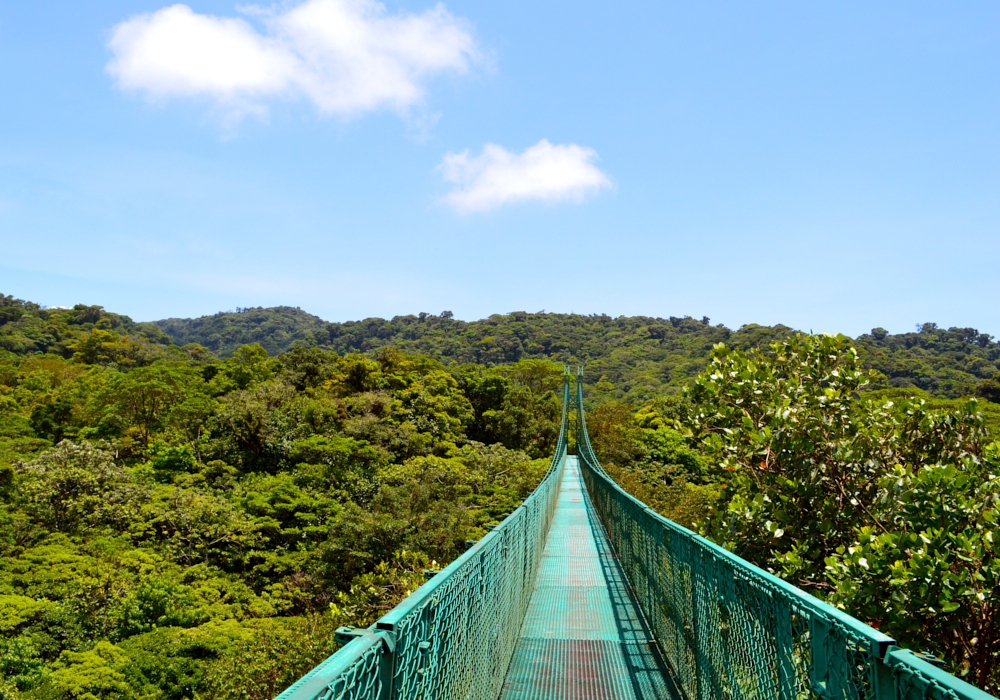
(96, 674)
(16, 610)
(805, 450)
(641, 356)
(515, 405)
(20, 665)
(167, 461)
(885, 501)
(94, 335)
(198, 516)
(139, 402)
(634, 358)
(281, 651)
(277, 329)
(989, 389)
(647, 453)
(76, 487)
(340, 464)
(929, 567)
(885, 505)
(947, 363)
(174, 525)
(172, 662)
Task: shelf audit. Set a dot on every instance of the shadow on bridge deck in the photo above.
(583, 636)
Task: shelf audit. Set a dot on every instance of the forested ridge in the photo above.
(189, 508)
(640, 357)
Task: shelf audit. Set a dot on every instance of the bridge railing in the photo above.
(729, 629)
(454, 636)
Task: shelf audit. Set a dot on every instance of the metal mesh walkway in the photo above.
(583, 635)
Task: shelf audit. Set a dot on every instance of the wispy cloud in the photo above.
(544, 172)
(345, 56)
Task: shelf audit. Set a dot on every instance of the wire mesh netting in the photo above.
(458, 642)
(353, 673)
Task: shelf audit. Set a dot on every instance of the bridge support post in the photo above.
(387, 666)
(784, 647)
(703, 655)
(386, 657)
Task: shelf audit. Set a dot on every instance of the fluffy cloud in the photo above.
(346, 56)
(544, 172)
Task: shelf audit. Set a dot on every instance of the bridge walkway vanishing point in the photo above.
(585, 593)
(583, 636)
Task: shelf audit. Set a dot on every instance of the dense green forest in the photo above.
(189, 508)
(173, 525)
(637, 357)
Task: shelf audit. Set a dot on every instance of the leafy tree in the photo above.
(258, 426)
(308, 368)
(435, 405)
(168, 461)
(277, 329)
(885, 506)
(96, 674)
(929, 567)
(174, 660)
(340, 463)
(652, 460)
(21, 667)
(248, 366)
(76, 487)
(143, 398)
(281, 653)
(196, 526)
(989, 389)
(52, 419)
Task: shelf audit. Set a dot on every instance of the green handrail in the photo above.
(729, 629)
(454, 636)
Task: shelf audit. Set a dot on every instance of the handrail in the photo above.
(729, 629)
(454, 636)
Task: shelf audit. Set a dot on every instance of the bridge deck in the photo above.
(583, 636)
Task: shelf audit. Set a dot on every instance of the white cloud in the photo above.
(544, 172)
(346, 56)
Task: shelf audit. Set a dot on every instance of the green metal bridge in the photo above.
(584, 593)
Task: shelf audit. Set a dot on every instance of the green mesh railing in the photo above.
(729, 629)
(455, 635)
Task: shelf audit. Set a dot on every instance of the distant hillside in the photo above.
(638, 356)
(945, 362)
(277, 329)
(88, 332)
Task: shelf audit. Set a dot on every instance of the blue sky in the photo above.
(829, 166)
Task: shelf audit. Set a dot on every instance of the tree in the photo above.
(280, 653)
(197, 526)
(96, 674)
(888, 508)
(435, 405)
(929, 568)
(142, 398)
(989, 389)
(76, 487)
(258, 425)
(801, 452)
(249, 365)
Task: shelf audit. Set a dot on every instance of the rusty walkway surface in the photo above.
(583, 637)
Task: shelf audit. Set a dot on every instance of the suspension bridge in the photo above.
(584, 593)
